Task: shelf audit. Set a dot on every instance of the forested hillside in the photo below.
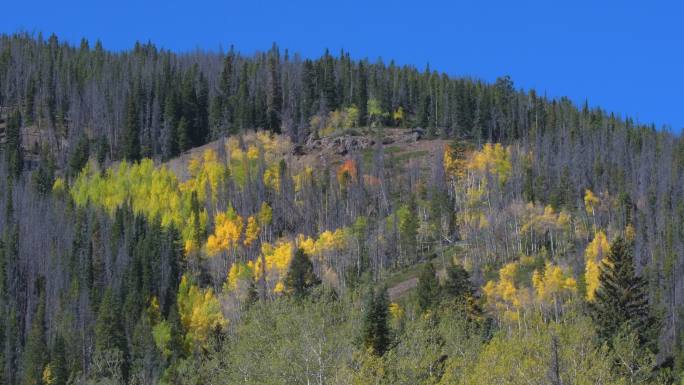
(203, 217)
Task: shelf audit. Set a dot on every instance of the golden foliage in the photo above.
(553, 283)
(594, 255)
(396, 311)
(227, 231)
(200, 312)
(238, 275)
(277, 258)
(251, 231)
(265, 214)
(494, 159)
(591, 201)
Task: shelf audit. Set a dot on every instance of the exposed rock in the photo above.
(340, 145)
(344, 144)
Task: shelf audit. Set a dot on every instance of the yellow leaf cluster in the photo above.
(453, 166)
(272, 177)
(228, 227)
(308, 244)
(239, 273)
(251, 231)
(553, 283)
(396, 311)
(265, 214)
(158, 192)
(328, 242)
(591, 201)
(200, 312)
(594, 255)
(277, 258)
(206, 171)
(493, 158)
(504, 296)
(302, 177)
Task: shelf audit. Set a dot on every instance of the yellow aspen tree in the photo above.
(252, 231)
(200, 313)
(553, 285)
(228, 228)
(594, 255)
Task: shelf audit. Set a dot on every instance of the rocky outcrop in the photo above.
(344, 144)
(340, 145)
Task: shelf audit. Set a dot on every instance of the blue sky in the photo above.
(626, 56)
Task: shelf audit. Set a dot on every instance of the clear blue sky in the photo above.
(626, 56)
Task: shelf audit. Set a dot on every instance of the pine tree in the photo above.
(621, 301)
(274, 95)
(183, 142)
(44, 177)
(109, 333)
(13, 150)
(300, 275)
(79, 156)
(457, 284)
(35, 357)
(11, 348)
(170, 133)
(131, 150)
(376, 332)
(201, 129)
(428, 287)
(58, 364)
(145, 358)
(362, 94)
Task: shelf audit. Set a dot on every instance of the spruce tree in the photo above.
(300, 275)
(13, 150)
(131, 150)
(35, 353)
(58, 364)
(428, 287)
(621, 302)
(376, 332)
(457, 284)
(109, 333)
(183, 142)
(79, 156)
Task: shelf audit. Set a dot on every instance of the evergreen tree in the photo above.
(362, 95)
(183, 142)
(376, 332)
(621, 302)
(170, 139)
(11, 348)
(428, 287)
(457, 283)
(226, 98)
(131, 150)
(109, 332)
(58, 364)
(35, 353)
(44, 177)
(300, 275)
(274, 95)
(145, 358)
(13, 149)
(308, 90)
(201, 129)
(79, 156)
